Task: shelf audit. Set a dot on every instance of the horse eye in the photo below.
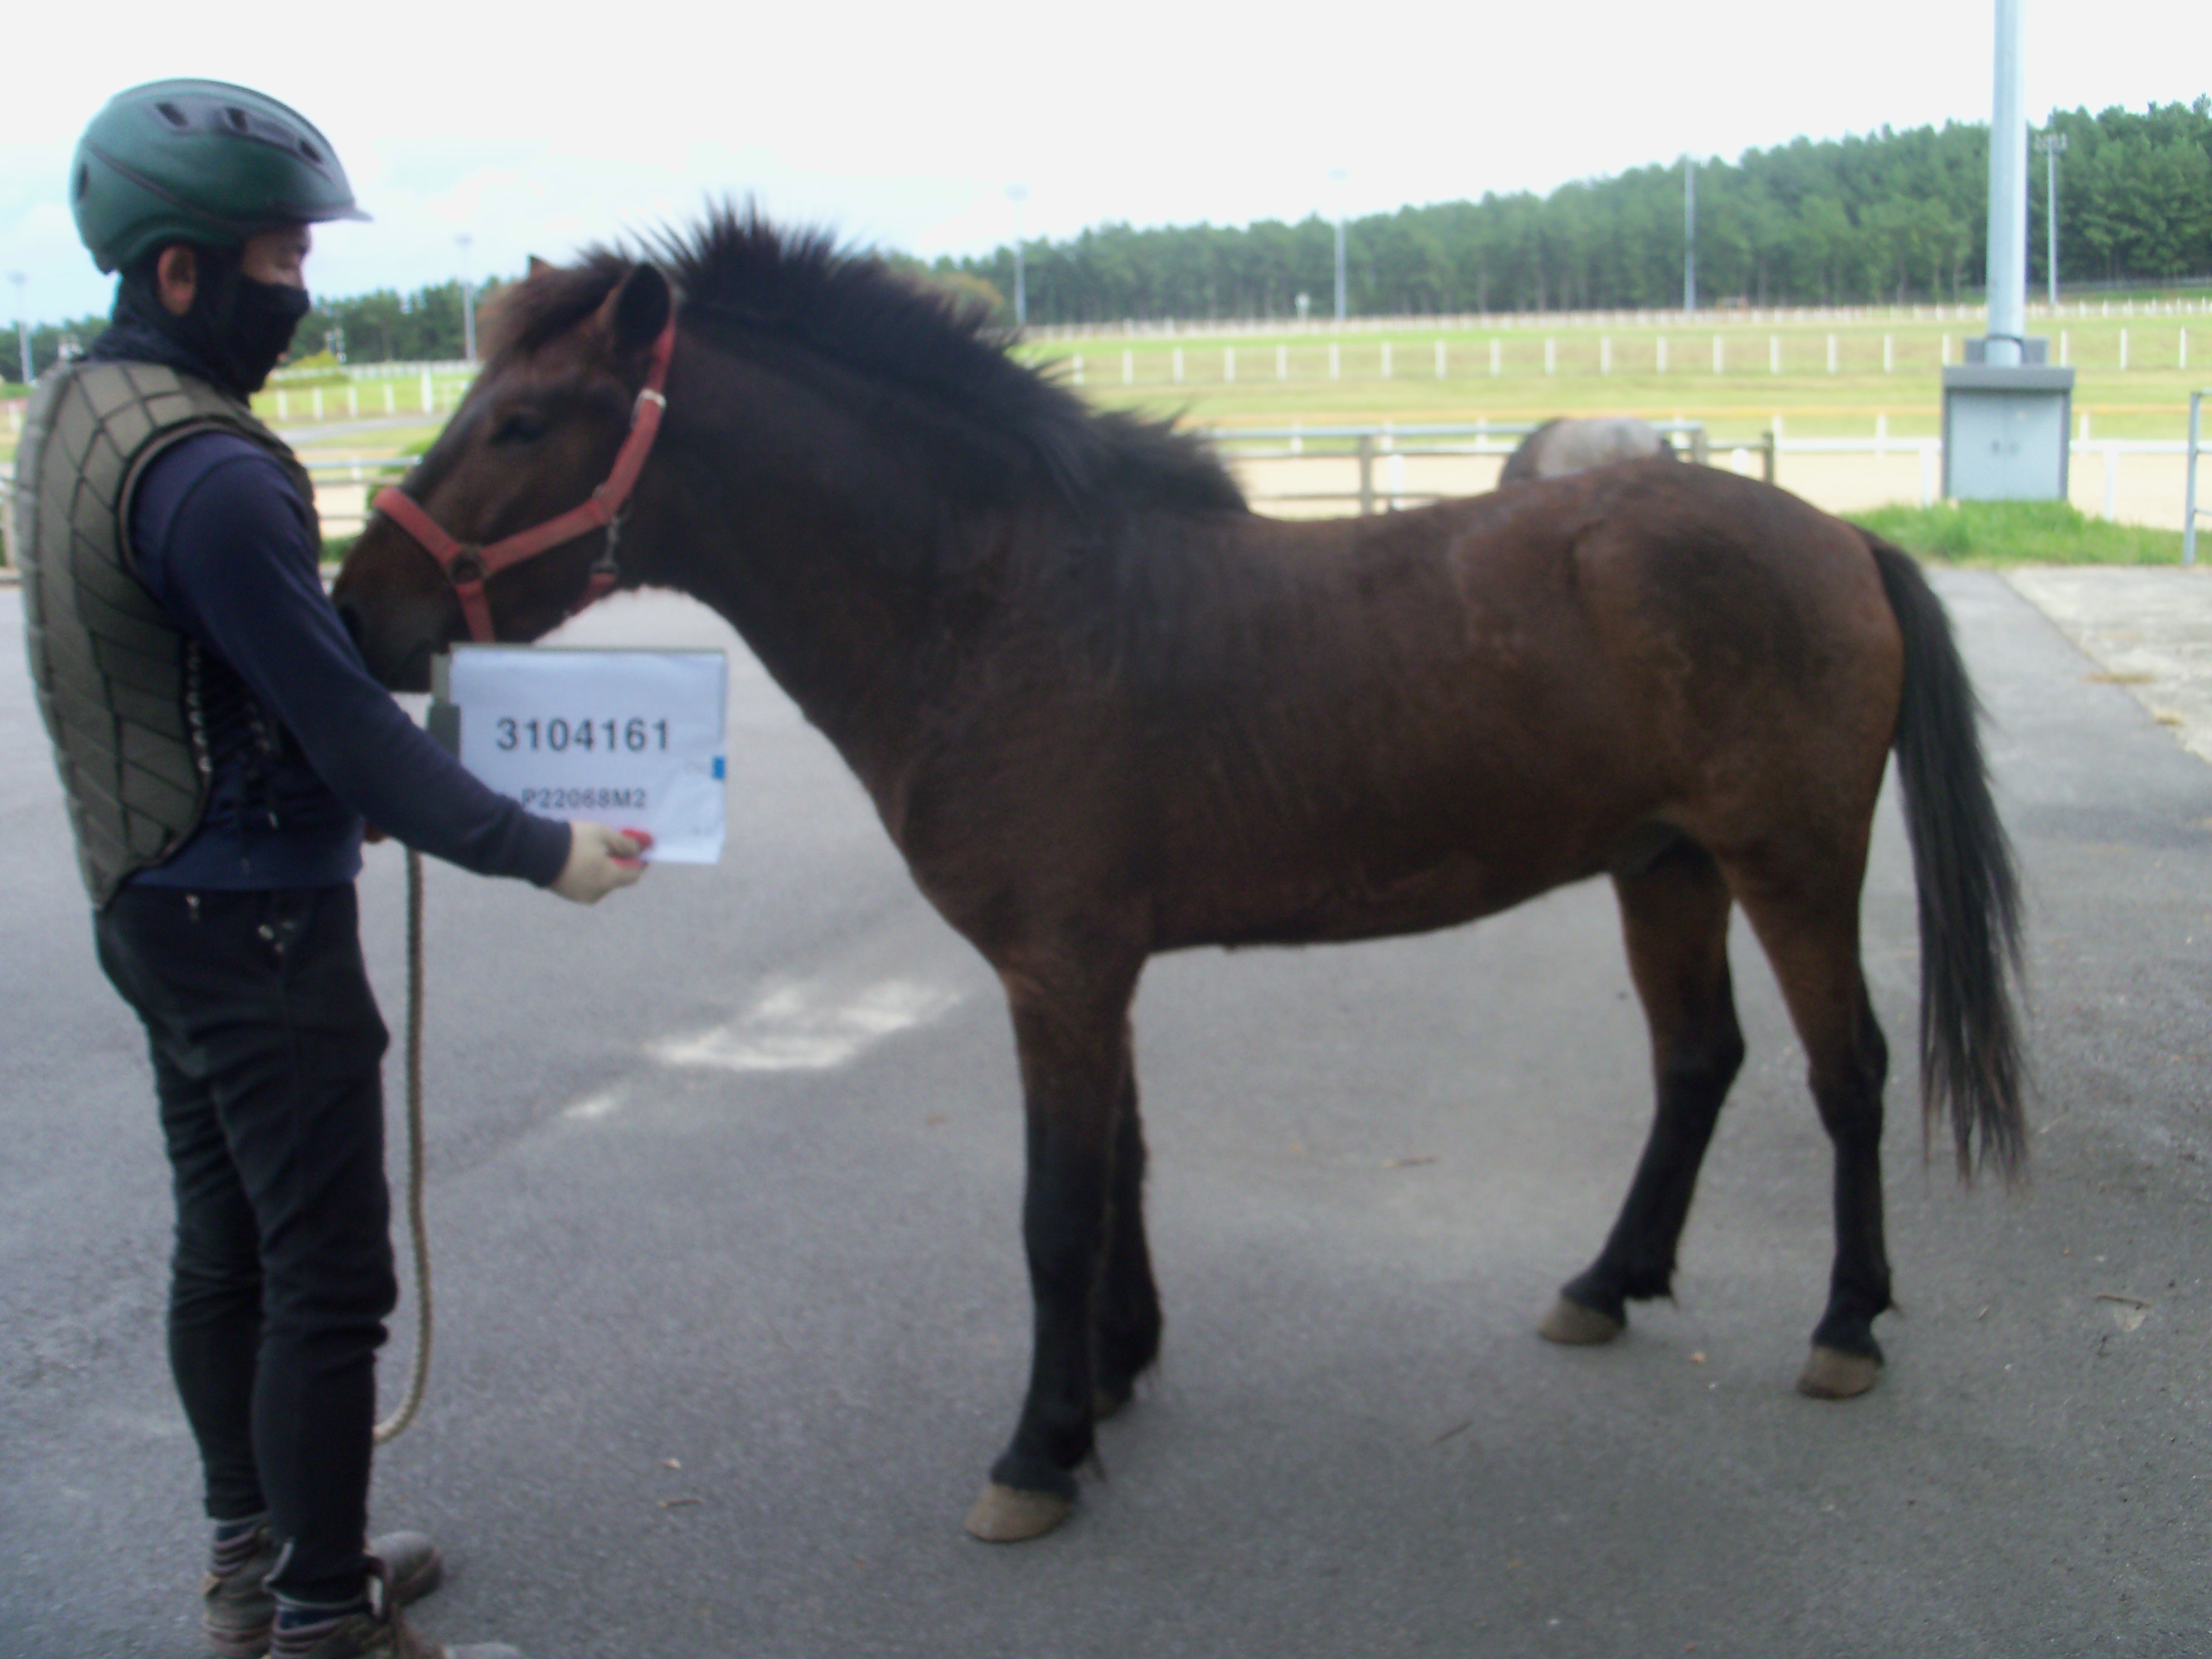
(519, 429)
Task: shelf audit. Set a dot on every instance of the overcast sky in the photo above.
(537, 128)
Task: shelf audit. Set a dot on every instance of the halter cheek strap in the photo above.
(469, 567)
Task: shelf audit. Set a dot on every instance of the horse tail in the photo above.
(1969, 889)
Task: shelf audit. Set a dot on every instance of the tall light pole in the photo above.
(2053, 145)
(1018, 194)
(2006, 409)
(1337, 176)
(1689, 233)
(2008, 254)
(468, 300)
(22, 324)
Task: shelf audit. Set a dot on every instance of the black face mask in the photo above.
(234, 335)
(263, 316)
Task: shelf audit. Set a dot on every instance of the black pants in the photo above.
(267, 1052)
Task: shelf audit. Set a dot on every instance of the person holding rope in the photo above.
(220, 746)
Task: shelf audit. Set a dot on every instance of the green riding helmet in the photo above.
(199, 161)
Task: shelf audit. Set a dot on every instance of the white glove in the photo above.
(600, 859)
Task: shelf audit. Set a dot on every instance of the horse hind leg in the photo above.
(1126, 1341)
(1675, 914)
(1811, 940)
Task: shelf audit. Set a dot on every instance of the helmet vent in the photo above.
(171, 113)
(238, 118)
(83, 180)
(311, 152)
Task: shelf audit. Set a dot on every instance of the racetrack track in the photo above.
(725, 1184)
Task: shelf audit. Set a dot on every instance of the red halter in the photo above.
(468, 568)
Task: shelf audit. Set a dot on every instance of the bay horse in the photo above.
(1106, 710)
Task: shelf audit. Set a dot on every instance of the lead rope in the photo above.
(418, 1376)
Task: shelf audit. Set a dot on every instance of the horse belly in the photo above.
(1363, 889)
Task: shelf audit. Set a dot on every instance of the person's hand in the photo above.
(600, 859)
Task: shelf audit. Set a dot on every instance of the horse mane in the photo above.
(740, 278)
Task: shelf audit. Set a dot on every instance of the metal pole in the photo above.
(1366, 474)
(2007, 250)
(2053, 145)
(1339, 175)
(468, 300)
(1017, 194)
(22, 324)
(1689, 233)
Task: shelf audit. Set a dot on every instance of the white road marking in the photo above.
(602, 1105)
(811, 1027)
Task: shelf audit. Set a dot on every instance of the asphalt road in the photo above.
(733, 1316)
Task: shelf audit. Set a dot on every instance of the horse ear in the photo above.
(635, 312)
(538, 267)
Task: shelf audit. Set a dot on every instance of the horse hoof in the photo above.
(1570, 1323)
(1831, 1374)
(1007, 1514)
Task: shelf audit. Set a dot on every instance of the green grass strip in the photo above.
(2018, 532)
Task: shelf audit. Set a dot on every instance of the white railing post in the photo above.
(2196, 438)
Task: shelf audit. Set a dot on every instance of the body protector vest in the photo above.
(119, 684)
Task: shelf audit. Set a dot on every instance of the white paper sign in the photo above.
(631, 739)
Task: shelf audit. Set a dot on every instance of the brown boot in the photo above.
(378, 1633)
(237, 1609)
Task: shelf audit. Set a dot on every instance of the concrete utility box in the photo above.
(2005, 431)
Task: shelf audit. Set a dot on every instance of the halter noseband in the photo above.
(468, 567)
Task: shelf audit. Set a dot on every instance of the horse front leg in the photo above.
(1069, 1028)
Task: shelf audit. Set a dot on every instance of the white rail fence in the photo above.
(345, 488)
(1384, 449)
(1312, 354)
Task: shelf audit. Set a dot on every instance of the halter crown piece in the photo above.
(468, 568)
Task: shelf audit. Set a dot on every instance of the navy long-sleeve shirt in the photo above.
(222, 539)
